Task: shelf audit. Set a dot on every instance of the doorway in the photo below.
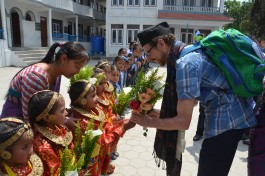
(15, 25)
(43, 27)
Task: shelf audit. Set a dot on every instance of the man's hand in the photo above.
(154, 114)
(141, 119)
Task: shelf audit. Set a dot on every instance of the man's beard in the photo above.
(163, 59)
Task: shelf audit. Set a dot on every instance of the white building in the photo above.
(29, 24)
(125, 18)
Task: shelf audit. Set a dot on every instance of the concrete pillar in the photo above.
(76, 27)
(4, 61)
(221, 3)
(49, 27)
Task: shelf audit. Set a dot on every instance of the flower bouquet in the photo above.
(146, 92)
(122, 101)
(77, 159)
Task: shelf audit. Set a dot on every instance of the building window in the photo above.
(57, 27)
(170, 2)
(117, 3)
(149, 2)
(188, 2)
(146, 26)
(29, 16)
(133, 3)
(207, 3)
(187, 36)
(116, 34)
(132, 31)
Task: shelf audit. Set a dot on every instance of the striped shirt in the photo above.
(198, 78)
(27, 82)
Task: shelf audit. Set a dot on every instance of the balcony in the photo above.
(99, 15)
(69, 5)
(198, 9)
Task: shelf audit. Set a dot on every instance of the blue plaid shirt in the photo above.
(198, 78)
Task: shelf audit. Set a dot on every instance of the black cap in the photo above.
(146, 35)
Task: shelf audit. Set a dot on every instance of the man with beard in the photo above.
(190, 78)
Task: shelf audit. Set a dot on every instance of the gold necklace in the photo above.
(109, 87)
(64, 141)
(103, 101)
(37, 165)
(100, 117)
(34, 163)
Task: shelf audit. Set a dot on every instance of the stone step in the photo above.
(29, 62)
(28, 48)
(31, 58)
(40, 55)
(31, 51)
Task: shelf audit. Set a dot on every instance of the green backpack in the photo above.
(238, 57)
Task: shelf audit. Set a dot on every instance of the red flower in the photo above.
(134, 105)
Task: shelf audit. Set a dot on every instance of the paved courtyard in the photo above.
(136, 150)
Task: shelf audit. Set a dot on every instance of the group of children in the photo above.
(35, 147)
(126, 65)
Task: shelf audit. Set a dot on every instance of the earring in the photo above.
(83, 101)
(52, 117)
(6, 155)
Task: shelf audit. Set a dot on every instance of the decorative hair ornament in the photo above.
(83, 94)
(5, 154)
(61, 44)
(102, 63)
(99, 75)
(49, 107)
(93, 80)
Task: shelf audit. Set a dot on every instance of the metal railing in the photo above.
(1, 33)
(192, 8)
(80, 9)
(69, 37)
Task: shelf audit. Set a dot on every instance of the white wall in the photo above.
(30, 35)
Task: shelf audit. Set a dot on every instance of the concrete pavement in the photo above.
(136, 150)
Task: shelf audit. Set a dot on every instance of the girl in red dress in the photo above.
(120, 126)
(84, 102)
(16, 151)
(47, 114)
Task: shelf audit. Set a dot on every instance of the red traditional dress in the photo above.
(113, 124)
(49, 144)
(33, 168)
(109, 138)
(110, 94)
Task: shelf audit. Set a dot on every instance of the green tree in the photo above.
(240, 13)
(257, 19)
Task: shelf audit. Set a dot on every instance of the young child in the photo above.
(112, 118)
(131, 71)
(122, 52)
(109, 89)
(16, 151)
(47, 114)
(84, 102)
(114, 78)
(119, 62)
(104, 65)
(127, 67)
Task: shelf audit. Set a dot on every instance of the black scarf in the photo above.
(166, 141)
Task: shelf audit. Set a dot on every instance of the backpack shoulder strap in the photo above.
(189, 48)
